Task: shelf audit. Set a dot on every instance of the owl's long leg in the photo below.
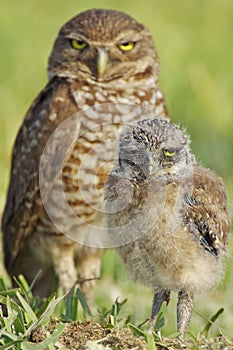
(63, 262)
(184, 311)
(88, 268)
(158, 299)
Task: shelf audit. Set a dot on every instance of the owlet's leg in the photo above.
(159, 298)
(184, 311)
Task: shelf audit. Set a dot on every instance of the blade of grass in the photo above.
(34, 281)
(174, 335)
(3, 284)
(10, 345)
(47, 313)
(6, 300)
(10, 292)
(45, 317)
(83, 302)
(45, 305)
(160, 320)
(137, 330)
(31, 316)
(8, 335)
(205, 331)
(19, 325)
(150, 341)
(23, 285)
(71, 307)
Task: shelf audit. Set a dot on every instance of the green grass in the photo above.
(193, 40)
(25, 316)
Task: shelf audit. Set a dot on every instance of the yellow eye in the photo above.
(169, 152)
(78, 44)
(127, 46)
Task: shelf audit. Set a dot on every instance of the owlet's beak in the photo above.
(102, 62)
(153, 168)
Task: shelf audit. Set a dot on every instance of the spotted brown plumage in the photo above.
(204, 216)
(167, 215)
(103, 63)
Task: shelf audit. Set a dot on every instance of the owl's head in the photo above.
(154, 149)
(103, 45)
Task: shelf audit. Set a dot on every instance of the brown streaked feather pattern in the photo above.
(23, 204)
(31, 241)
(100, 20)
(206, 211)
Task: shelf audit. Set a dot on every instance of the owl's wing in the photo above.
(23, 206)
(206, 213)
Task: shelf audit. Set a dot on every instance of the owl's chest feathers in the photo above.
(102, 112)
(147, 94)
(167, 256)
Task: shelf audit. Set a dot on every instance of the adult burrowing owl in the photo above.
(170, 212)
(99, 57)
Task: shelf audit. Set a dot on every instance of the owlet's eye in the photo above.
(78, 44)
(128, 46)
(169, 152)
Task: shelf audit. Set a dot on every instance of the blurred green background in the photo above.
(194, 43)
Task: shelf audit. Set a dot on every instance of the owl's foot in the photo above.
(184, 312)
(159, 298)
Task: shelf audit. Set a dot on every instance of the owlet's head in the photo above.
(153, 149)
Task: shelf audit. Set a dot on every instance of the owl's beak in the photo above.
(102, 61)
